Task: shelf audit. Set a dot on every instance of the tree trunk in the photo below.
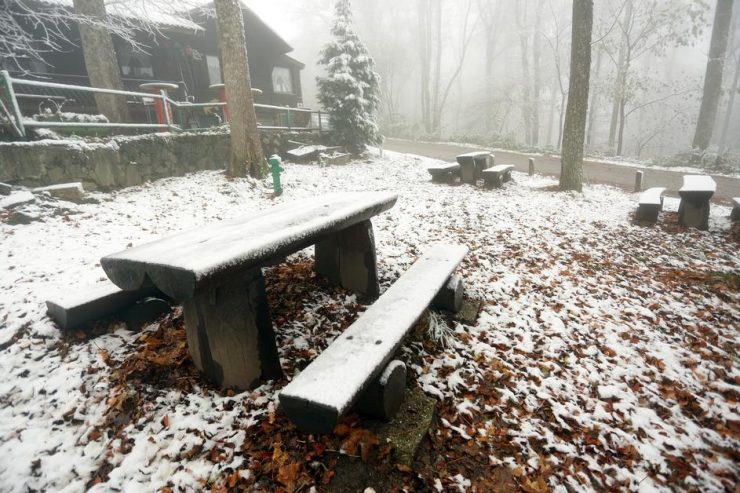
(620, 135)
(100, 59)
(563, 101)
(713, 76)
(730, 106)
(537, 55)
(436, 105)
(246, 149)
(425, 54)
(621, 81)
(524, 48)
(571, 173)
(590, 129)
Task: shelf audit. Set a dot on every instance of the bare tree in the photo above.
(713, 77)
(246, 148)
(645, 27)
(571, 173)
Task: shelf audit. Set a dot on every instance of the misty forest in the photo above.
(496, 72)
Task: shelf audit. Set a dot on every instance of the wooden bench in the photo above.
(651, 203)
(735, 216)
(472, 164)
(216, 271)
(70, 310)
(498, 175)
(444, 171)
(695, 193)
(357, 362)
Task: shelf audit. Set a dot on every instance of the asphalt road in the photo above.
(593, 171)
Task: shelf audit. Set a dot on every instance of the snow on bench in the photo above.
(471, 165)
(650, 204)
(695, 194)
(98, 301)
(497, 175)
(335, 380)
(698, 184)
(735, 209)
(444, 171)
(216, 272)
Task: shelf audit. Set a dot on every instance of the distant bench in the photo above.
(497, 175)
(358, 367)
(216, 272)
(444, 171)
(695, 193)
(650, 205)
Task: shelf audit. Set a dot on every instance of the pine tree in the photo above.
(350, 91)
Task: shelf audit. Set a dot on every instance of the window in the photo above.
(135, 65)
(214, 69)
(282, 82)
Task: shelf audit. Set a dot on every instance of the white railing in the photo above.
(12, 117)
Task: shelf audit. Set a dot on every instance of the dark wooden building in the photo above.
(184, 52)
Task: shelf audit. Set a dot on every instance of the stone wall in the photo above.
(118, 162)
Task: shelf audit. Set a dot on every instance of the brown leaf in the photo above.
(288, 474)
(365, 439)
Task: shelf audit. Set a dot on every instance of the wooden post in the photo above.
(230, 335)
(320, 124)
(348, 259)
(13, 102)
(638, 181)
(531, 166)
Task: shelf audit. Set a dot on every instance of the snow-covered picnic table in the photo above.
(216, 272)
(472, 164)
(695, 194)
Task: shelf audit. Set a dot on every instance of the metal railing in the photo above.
(171, 115)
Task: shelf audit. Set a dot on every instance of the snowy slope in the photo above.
(593, 364)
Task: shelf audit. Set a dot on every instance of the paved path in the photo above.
(594, 171)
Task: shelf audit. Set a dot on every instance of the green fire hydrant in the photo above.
(276, 169)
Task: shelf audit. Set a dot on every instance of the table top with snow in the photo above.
(180, 264)
(698, 183)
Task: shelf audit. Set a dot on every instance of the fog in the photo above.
(496, 71)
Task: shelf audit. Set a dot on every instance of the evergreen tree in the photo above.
(350, 91)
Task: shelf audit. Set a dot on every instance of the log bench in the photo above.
(695, 193)
(216, 272)
(650, 204)
(735, 216)
(444, 171)
(472, 164)
(70, 310)
(497, 175)
(358, 367)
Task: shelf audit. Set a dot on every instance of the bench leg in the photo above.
(467, 171)
(348, 259)
(230, 335)
(694, 215)
(450, 297)
(648, 213)
(384, 395)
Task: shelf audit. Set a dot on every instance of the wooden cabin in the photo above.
(184, 52)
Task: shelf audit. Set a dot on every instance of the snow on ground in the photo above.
(604, 356)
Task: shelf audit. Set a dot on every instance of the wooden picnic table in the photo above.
(697, 190)
(216, 271)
